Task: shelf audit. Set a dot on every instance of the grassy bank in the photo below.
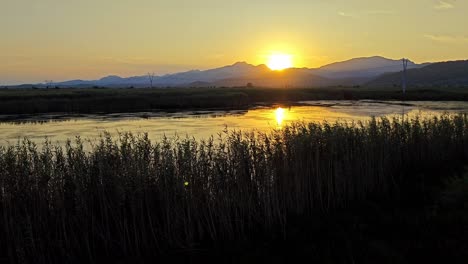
(386, 191)
(31, 101)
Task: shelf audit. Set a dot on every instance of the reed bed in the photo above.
(130, 196)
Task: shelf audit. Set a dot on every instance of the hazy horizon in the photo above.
(60, 40)
(167, 70)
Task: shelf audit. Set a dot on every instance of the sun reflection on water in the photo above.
(206, 125)
(279, 114)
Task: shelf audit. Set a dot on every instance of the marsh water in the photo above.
(57, 128)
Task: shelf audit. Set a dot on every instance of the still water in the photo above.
(203, 124)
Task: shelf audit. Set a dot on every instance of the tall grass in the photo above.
(130, 196)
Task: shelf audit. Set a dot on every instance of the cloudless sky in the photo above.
(89, 39)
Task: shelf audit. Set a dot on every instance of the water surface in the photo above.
(203, 124)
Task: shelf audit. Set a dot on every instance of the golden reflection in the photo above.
(279, 114)
(261, 119)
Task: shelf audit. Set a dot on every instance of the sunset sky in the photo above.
(89, 39)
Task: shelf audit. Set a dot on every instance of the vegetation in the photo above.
(31, 101)
(376, 192)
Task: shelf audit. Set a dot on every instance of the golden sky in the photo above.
(89, 39)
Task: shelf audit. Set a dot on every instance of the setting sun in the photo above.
(279, 62)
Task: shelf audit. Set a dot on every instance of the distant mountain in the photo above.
(347, 73)
(111, 80)
(452, 73)
(237, 70)
(238, 74)
(194, 77)
(352, 72)
(293, 77)
(369, 67)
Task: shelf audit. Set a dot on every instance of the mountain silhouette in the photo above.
(373, 71)
(368, 67)
(452, 73)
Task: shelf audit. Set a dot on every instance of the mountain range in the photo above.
(367, 71)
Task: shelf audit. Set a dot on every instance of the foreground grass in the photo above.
(340, 192)
(31, 101)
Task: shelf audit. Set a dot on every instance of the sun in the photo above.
(278, 62)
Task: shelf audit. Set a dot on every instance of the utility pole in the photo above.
(48, 83)
(404, 76)
(151, 78)
(404, 79)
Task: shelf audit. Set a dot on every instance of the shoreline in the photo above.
(121, 100)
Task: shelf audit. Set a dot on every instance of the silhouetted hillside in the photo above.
(367, 67)
(287, 78)
(352, 72)
(450, 74)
